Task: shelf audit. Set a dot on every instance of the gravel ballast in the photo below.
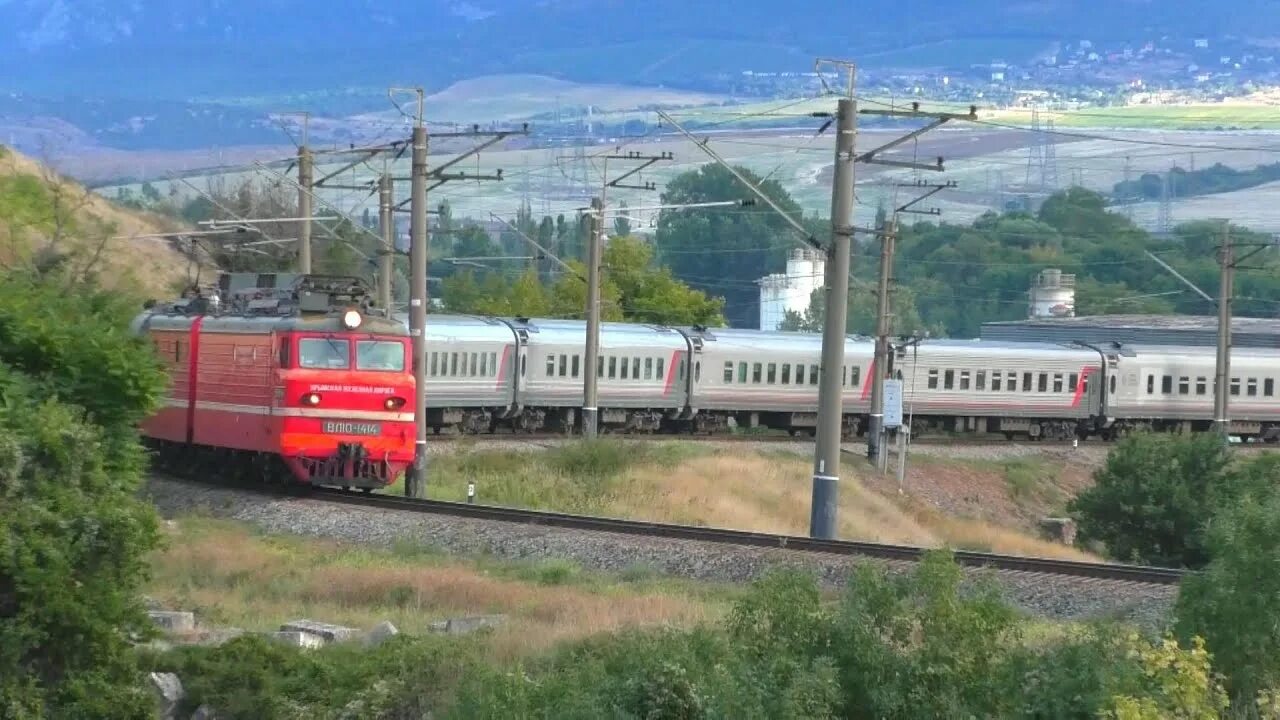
(1048, 596)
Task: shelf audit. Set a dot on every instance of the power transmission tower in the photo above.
(1164, 217)
(1035, 153)
(595, 249)
(387, 228)
(1049, 172)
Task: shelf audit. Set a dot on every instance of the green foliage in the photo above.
(73, 535)
(724, 251)
(1152, 501)
(251, 678)
(1235, 603)
(631, 289)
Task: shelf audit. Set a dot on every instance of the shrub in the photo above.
(1235, 603)
(1152, 500)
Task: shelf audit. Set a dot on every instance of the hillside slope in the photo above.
(43, 216)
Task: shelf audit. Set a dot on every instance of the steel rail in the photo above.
(1046, 566)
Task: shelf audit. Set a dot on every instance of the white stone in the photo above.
(297, 639)
(380, 633)
(168, 691)
(325, 631)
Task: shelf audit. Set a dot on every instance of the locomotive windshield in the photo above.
(379, 355)
(324, 354)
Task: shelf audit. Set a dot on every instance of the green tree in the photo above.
(651, 294)
(1152, 500)
(1234, 604)
(724, 251)
(73, 534)
(622, 221)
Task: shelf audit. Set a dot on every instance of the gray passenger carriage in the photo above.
(1033, 389)
(471, 372)
(1168, 387)
(641, 374)
(771, 379)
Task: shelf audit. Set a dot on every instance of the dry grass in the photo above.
(772, 494)
(762, 491)
(145, 266)
(231, 576)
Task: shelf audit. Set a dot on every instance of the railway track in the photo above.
(770, 439)
(1099, 571)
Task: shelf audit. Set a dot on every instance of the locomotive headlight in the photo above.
(393, 403)
(351, 319)
(311, 399)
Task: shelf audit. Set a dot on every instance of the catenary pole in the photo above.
(1222, 371)
(416, 482)
(826, 466)
(880, 365)
(305, 170)
(590, 406)
(387, 227)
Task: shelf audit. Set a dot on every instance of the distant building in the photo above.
(780, 292)
(1202, 42)
(1052, 294)
(1136, 330)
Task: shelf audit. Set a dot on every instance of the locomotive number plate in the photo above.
(337, 427)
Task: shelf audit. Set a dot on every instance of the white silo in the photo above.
(1052, 294)
(791, 290)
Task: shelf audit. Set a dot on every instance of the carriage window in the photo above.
(1044, 382)
(624, 369)
(995, 381)
(475, 365)
(799, 373)
(697, 371)
(658, 369)
(1268, 387)
(453, 364)
(573, 366)
(1201, 385)
(613, 367)
(564, 365)
(1253, 387)
(1184, 385)
(386, 355)
(1235, 386)
(600, 366)
(1113, 384)
(949, 379)
(1026, 382)
(855, 378)
(1073, 382)
(813, 374)
(1166, 385)
(1057, 382)
(756, 373)
(964, 379)
(324, 354)
(844, 375)
(742, 372)
(648, 368)
(434, 359)
(786, 374)
(933, 379)
(979, 380)
(551, 365)
(773, 373)
(484, 364)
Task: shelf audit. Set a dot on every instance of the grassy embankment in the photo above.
(684, 483)
(233, 576)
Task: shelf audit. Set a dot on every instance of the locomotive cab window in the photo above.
(324, 354)
(384, 355)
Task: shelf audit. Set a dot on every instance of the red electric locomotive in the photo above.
(282, 378)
